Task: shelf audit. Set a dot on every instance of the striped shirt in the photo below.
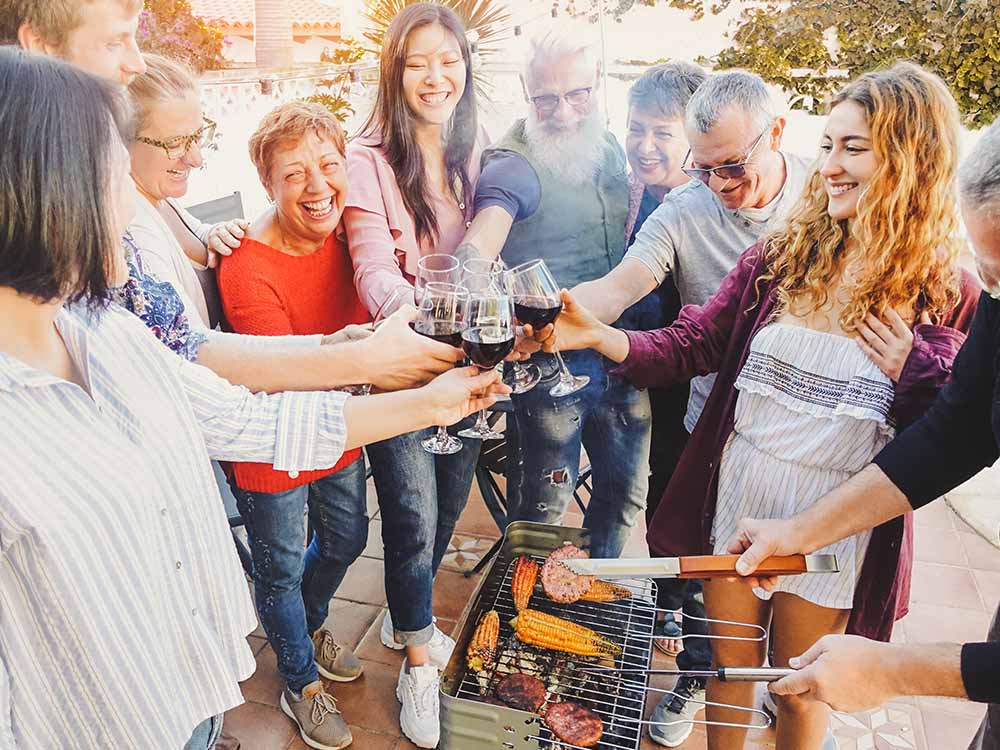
(123, 608)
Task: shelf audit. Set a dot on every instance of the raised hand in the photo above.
(887, 344)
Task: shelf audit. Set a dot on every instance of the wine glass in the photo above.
(440, 267)
(441, 316)
(537, 303)
(522, 377)
(487, 339)
(401, 295)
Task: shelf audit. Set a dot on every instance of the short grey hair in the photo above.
(979, 175)
(666, 88)
(738, 89)
(556, 43)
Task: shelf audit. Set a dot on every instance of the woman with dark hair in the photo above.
(124, 609)
(412, 173)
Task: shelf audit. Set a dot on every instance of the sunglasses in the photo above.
(546, 104)
(178, 146)
(724, 171)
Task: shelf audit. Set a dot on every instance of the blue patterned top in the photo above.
(158, 305)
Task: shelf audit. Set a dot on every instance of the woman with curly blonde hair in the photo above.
(827, 337)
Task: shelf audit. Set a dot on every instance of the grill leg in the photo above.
(490, 554)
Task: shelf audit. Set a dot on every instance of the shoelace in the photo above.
(423, 696)
(329, 649)
(682, 693)
(324, 704)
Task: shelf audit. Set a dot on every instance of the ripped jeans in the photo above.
(611, 419)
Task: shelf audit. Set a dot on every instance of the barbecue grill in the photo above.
(471, 716)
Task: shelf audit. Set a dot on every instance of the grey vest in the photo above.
(579, 230)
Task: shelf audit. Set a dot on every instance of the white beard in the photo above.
(572, 156)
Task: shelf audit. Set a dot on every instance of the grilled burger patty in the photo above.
(522, 691)
(573, 723)
(559, 582)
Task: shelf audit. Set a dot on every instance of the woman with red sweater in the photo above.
(827, 338)
(293, 276)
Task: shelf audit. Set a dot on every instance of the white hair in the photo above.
(737, 89)
(979, 175)
(558, 42)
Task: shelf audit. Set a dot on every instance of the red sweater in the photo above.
(267, 292)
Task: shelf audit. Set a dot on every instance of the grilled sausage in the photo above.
(573, 723)
(522, 691)
(559, 582)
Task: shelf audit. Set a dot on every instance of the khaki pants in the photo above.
(988, 736)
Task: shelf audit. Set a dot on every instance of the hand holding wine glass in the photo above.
(538, 302)
(461, 391)
(442, 317)
(489, 337)
(575, 328)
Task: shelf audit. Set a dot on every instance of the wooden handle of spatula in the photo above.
(724, 566)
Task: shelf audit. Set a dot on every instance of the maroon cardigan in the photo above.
(716, 338)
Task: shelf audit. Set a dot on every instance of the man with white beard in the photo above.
(555, 187)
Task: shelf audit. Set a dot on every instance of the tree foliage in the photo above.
(168, 27)
(810, 47)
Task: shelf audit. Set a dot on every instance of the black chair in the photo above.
(493, 457)
(212, 212)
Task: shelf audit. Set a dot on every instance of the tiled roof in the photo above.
(307, 15)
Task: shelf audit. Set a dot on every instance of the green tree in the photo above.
(167, 27)
(800, 44)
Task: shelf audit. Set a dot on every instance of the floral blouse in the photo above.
(157, 304)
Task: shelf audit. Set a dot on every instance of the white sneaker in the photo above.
(439, 648)
(417, 691)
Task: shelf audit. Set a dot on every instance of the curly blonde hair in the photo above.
(907, 217)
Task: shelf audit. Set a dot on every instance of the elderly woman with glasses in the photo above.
(171, 135)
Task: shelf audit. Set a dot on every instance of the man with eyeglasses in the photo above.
(742, 188)
(555, 187)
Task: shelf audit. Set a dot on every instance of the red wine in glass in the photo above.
(537, 312)
(447, 333)
(487, 346)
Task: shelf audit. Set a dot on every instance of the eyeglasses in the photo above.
(724, 171)
(178, 146)
(546, 104)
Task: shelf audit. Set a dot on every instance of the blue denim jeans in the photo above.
(611, 419)
(293, 583)
(205, 735)
(420, 498)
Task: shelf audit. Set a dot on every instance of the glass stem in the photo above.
(481, 423)
(442, 432)
(564, 373)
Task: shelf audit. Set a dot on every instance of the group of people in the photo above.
(824, 307)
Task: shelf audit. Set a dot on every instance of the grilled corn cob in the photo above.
(483, 646)
(522, 581)
(603, 591)
(548, 631)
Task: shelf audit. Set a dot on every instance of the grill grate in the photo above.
(619, 701)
